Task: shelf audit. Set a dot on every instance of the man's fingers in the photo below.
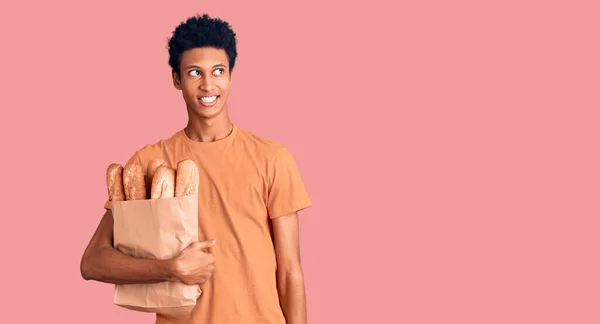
(206, 244)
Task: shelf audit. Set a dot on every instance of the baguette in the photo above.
(187, 178)
(152, 166)
(163, 183)
(114, 182)
(133, 182)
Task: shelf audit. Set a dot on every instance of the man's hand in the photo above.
(194, 266)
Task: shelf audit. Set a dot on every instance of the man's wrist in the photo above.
(168, 268)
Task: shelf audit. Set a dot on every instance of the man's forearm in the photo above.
(292, 296)
(112, 266)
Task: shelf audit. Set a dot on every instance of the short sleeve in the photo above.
(287, 192)
(135, 158)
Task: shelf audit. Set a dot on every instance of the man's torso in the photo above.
(232, 208)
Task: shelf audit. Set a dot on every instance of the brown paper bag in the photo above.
(158, 229)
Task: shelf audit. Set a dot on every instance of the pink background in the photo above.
(450, 148)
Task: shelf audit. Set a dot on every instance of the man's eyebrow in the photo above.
(197, 67)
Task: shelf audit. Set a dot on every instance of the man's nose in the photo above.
(207, 84)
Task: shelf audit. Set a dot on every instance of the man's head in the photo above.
(202, 54)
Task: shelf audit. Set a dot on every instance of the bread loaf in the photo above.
(152, 166)
(114, 182)
(163, 183)
(133, 182)
(187, 178)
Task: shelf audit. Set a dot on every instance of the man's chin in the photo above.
(207, 112)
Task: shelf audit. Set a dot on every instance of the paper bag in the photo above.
(158, 229)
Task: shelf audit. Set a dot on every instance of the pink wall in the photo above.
(450, 149)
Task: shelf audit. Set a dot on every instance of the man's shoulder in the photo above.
(259, 143)
(159, 147)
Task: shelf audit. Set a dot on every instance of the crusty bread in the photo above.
(114, 182)
(152, 166)
(163, 183)
(187, 178)
(133, 182)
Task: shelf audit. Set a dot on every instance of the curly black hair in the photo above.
(202, 31)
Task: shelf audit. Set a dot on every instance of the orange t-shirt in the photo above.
(245, 181)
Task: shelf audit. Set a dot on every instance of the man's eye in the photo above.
(194, 72)
(219, 71)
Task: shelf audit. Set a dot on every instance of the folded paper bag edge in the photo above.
(130, 217)
(182, 308)
(184, 293)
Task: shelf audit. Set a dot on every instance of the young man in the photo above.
(249, 196)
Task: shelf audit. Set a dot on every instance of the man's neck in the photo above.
(208, 130)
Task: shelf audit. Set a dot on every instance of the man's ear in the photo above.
(176, 80)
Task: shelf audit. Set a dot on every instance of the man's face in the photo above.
(204, 81)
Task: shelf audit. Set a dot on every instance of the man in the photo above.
(249, 196)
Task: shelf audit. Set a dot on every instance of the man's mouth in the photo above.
(208, 101)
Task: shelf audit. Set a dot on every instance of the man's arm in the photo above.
(290, 277)
(102, 262)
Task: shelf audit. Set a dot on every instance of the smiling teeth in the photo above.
(208, 99)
